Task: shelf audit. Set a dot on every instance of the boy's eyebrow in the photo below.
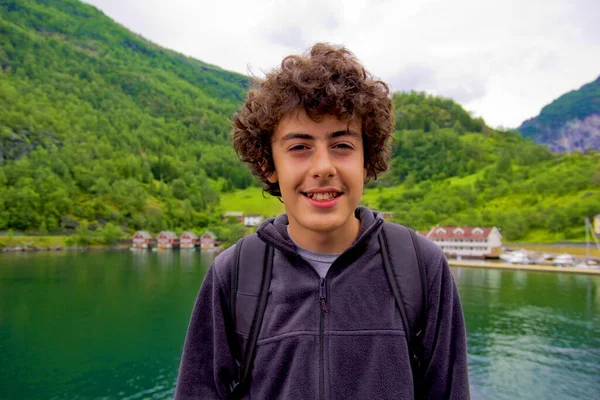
(294, 135)
(306, 136)
(346, 132)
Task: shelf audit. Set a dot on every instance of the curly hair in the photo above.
(328, 79)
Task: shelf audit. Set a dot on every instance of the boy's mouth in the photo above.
(322, 196)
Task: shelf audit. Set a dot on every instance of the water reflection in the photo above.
(188, 258)
(168, 258)
(95, 325)
(112, 324)
(539, 331)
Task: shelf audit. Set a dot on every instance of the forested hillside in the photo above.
(99, 126)
(543, 202)
(454, 170)
(436, 139)
(569, 123)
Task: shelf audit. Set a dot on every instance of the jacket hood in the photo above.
(273, 231)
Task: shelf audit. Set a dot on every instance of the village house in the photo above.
(167, 240)
(467, 242)
(253, 219)
(238, 215)
(189, 240)
(143, 240)
(208, 240)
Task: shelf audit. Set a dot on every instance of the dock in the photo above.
(522, 267)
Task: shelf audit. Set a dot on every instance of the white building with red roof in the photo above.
(208, 240)
(189, 240)
(466, 241)
(167, 240)
(143, 240)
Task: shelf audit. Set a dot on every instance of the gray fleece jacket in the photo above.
(355, 350)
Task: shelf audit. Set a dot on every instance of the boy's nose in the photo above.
(322, 166)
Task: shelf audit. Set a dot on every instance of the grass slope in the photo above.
(251, 201)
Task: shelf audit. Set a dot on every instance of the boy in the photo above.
(313, 132)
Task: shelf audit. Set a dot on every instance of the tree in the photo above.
(43, 230)
(111, 234)
(83, 237)
(179, 189)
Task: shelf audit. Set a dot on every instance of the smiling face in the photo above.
(320, 170)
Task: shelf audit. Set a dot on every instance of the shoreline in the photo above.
(93, 248)
(451, 262)
(59, 248)
(522, 267)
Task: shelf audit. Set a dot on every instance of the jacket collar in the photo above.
(273, 231)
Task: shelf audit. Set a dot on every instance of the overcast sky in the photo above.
(502, 60)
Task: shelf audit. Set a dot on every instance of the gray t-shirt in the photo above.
(320, 262)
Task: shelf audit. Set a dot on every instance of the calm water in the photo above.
(111, 326)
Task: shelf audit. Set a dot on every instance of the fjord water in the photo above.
(110, 325)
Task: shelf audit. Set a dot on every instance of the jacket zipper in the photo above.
(323, 296)
(324, 309)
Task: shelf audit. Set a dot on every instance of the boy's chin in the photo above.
(323, 224)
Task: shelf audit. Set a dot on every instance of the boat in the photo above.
(565, 260)
(519, 257)
(545, 258)
(588, 264)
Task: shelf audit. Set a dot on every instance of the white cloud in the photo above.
(503, 60)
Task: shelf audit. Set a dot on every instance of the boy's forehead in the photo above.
(299, 119)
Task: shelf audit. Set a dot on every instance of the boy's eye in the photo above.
(342, 146)
(298, 147)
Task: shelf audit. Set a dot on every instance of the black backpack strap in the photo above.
(408, 280)
(250, 279)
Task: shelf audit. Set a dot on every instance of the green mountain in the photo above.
(101, 127)
(100, 124)
(437, 139)
(569, 123)
(451, 169)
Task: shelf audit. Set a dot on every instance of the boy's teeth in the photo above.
(321, 196)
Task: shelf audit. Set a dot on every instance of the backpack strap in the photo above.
(408, 281)
(250, 280)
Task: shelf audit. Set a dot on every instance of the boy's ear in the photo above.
(272, 177)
